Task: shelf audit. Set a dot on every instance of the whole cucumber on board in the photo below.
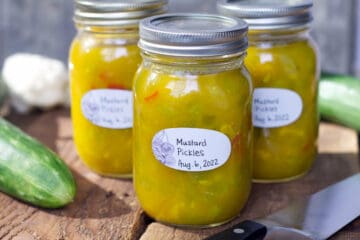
(339, 99)
(31, 172)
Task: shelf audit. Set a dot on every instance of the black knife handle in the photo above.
(246, 230)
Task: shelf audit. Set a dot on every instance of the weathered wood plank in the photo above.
(337, 139)
(2, 31)
(42, 27)
(107, 208)
(104, 208)
(334, 31)
(46, 27)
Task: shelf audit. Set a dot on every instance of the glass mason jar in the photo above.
(282, 60)
(192, 119)
(103, 60)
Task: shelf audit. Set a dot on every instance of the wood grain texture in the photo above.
(106, 208)
(46, 27)
(36, 26)
(334, 31)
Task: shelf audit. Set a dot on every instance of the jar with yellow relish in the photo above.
(282, 60)
(192, 119)
(103, 60)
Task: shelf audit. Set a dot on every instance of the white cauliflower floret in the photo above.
(35, 81)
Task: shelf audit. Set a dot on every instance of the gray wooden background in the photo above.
(45, 27)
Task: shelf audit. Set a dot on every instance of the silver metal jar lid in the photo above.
(120, 13)
(269, 14)
(193, 35)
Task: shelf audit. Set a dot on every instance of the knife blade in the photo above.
(316, 217)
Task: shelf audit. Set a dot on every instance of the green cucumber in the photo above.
(31, 172)
(339, 99)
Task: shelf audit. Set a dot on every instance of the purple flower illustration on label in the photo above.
(90, 107)
(163, 149)
(191, 149)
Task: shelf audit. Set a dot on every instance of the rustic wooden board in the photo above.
(106, 208)
(46, 27)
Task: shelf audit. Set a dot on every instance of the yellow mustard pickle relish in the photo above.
(192, 120)
(282, 60)
(103, 59)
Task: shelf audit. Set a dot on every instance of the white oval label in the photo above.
(191, 149)
(275, 107)
(108, 108)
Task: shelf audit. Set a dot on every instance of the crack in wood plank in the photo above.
(6, 211)
(16, 225)
(139, 225)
